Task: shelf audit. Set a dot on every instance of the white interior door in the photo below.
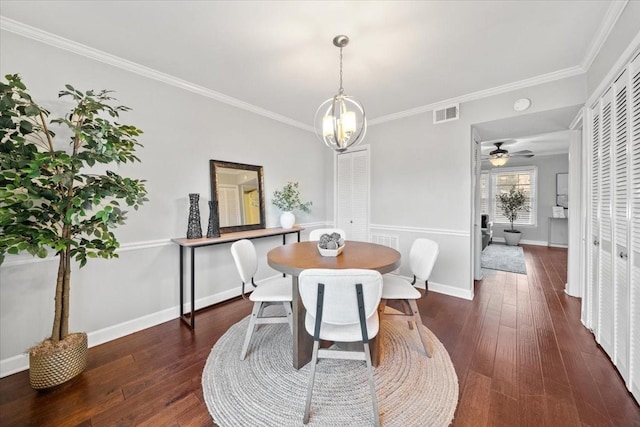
(614, 224)
(620, 242)
(594, 223)
(634, 232)
(605, 279)
(352, 194)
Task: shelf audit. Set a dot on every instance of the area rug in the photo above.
(265, 389)
(503, 257)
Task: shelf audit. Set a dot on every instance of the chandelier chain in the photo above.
(341, 89)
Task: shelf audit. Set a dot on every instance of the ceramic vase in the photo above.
(213, 230)
(287, 219)
(194, 229)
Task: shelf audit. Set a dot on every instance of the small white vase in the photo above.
(287, 219)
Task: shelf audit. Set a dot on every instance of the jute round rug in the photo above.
(265, 389)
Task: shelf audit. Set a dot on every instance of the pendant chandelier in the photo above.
(340, 121)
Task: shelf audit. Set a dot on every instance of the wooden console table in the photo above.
(192, 244)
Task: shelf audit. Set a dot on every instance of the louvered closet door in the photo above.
(634, 253)
(605, 270)
(353, 195)
(621, 224)
(594, 222)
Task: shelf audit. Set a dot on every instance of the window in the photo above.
(484, 193)
(502, 180)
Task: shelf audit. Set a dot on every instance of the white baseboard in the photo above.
(523, 241)
(14, 364)
(444, 289)
(20, 362)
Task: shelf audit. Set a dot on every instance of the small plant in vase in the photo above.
(511, 204)
(287, 200)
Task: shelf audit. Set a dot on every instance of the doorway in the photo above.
(547, 135)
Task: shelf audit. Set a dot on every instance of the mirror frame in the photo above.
(213, 165)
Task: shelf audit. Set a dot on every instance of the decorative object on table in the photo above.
(318, 232)
(331, 244)
(340, 122)
(503, 258)
(213, 229)
(267, 380)
(562, 189)
(557, 211)
(288, 200)
(50, 201)
(511, 204)
(194, 229)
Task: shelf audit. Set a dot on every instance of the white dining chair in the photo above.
(341, 307)
(272, 291)
(422, 257)
(315, 234)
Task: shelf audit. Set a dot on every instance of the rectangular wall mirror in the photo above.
(238, 189)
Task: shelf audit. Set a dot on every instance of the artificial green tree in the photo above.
(49, 198)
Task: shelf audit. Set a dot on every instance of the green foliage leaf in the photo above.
(46, 201)
(288, 198)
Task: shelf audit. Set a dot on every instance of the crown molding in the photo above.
(629, 53)
(533, 81)
(106, 58)
(606, 26)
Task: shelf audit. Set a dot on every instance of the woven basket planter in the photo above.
(51, 369)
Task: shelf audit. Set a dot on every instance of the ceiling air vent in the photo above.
(446, 114)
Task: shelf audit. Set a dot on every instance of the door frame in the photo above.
(575, 285)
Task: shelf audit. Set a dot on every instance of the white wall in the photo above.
(548, 167)
(421, 177)
(627, 29)
(183, 131)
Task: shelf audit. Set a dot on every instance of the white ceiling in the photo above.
(542, 133)
(279, 56)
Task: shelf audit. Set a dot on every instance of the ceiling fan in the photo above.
(500, 156)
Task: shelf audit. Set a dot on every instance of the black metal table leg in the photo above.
(181, 282)
(190, 320)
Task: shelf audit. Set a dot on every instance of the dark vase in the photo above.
(213, 230)
(194, 229)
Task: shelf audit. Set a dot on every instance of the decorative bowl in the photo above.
(330, 252)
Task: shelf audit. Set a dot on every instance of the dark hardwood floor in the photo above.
(522, 357)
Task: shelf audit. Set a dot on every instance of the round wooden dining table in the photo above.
(293, 258)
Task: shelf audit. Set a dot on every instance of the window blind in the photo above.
(524, 179)
(484, 193)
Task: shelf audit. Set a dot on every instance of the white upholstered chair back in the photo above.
(246, 260)
(340, 301)
(422, 258)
